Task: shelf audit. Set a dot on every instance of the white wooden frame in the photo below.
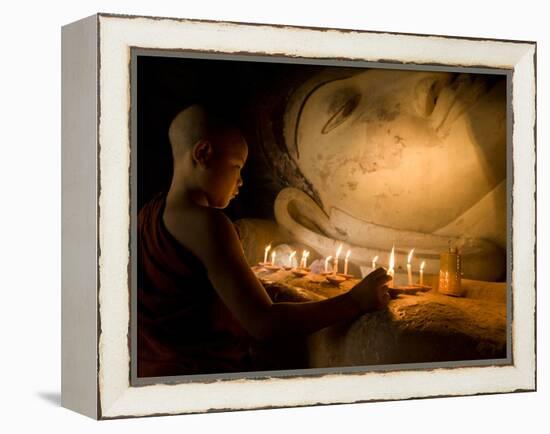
(96, 377)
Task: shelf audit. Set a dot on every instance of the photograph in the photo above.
(275, 217)
(299, 218)
(263, 216)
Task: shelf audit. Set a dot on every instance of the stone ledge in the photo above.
(425, 327)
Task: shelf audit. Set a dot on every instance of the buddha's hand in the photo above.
(372, 292)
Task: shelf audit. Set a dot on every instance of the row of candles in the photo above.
(391, 267)
(391, 271)
(305, 256)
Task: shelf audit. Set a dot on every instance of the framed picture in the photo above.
(261, 216)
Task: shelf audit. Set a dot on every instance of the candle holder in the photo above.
(335, 279)
(345, 276)
(300, 272)
(272, 267)
(450, 273)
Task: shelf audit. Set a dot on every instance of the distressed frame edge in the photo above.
(79, 271)
(302, 27)
(137, 52)
(528, 387)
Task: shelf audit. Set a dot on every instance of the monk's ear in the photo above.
(202, 152)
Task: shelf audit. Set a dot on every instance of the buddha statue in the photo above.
(376, 158)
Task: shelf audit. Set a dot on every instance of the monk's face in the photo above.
(224, 169)
(409, 150)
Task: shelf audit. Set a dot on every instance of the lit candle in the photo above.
(374, 263)
(267, 249)
(422, 272)
(290, 258)
(326, 263)
(305, 258)
(346, 262)
(336, 259)
(409, 269)
(273, 257)
(391, 273)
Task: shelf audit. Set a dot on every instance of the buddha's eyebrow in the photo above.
(301, 109)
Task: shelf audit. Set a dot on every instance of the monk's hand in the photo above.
(372, 292)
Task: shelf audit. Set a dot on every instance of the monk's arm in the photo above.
(286, 319)
(221, 252)
(246, 297)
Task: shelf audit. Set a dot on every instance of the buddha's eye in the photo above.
(342, 111)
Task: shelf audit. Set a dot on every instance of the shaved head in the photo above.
(193, 124)
(208, 155)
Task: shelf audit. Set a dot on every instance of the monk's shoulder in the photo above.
(194, 226)
(210, 220)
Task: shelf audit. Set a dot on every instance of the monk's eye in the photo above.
(341, 112)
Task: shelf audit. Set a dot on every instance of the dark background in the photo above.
(240, 90)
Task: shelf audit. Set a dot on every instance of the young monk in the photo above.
(200, 306)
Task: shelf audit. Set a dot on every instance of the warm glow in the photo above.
(422, 272)
(409, 258)
(290, 258)
(346, 262)
(327, 260)
(273, 257)
(267, 249)
(391, 265)
(303, 261)
(409, 267)
(335, 269)
(374, 262)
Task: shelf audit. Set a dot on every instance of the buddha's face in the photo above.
(408, 150)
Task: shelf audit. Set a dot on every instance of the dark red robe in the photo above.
(183, 326)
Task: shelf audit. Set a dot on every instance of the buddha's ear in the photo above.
(202, 152)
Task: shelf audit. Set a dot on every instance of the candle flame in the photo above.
(375, 259)
(347, 254)
(292, 255)
(266, 251)
(422, 265)
(392, 258)
(326, 263)
(339, 251)
(409, 258)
